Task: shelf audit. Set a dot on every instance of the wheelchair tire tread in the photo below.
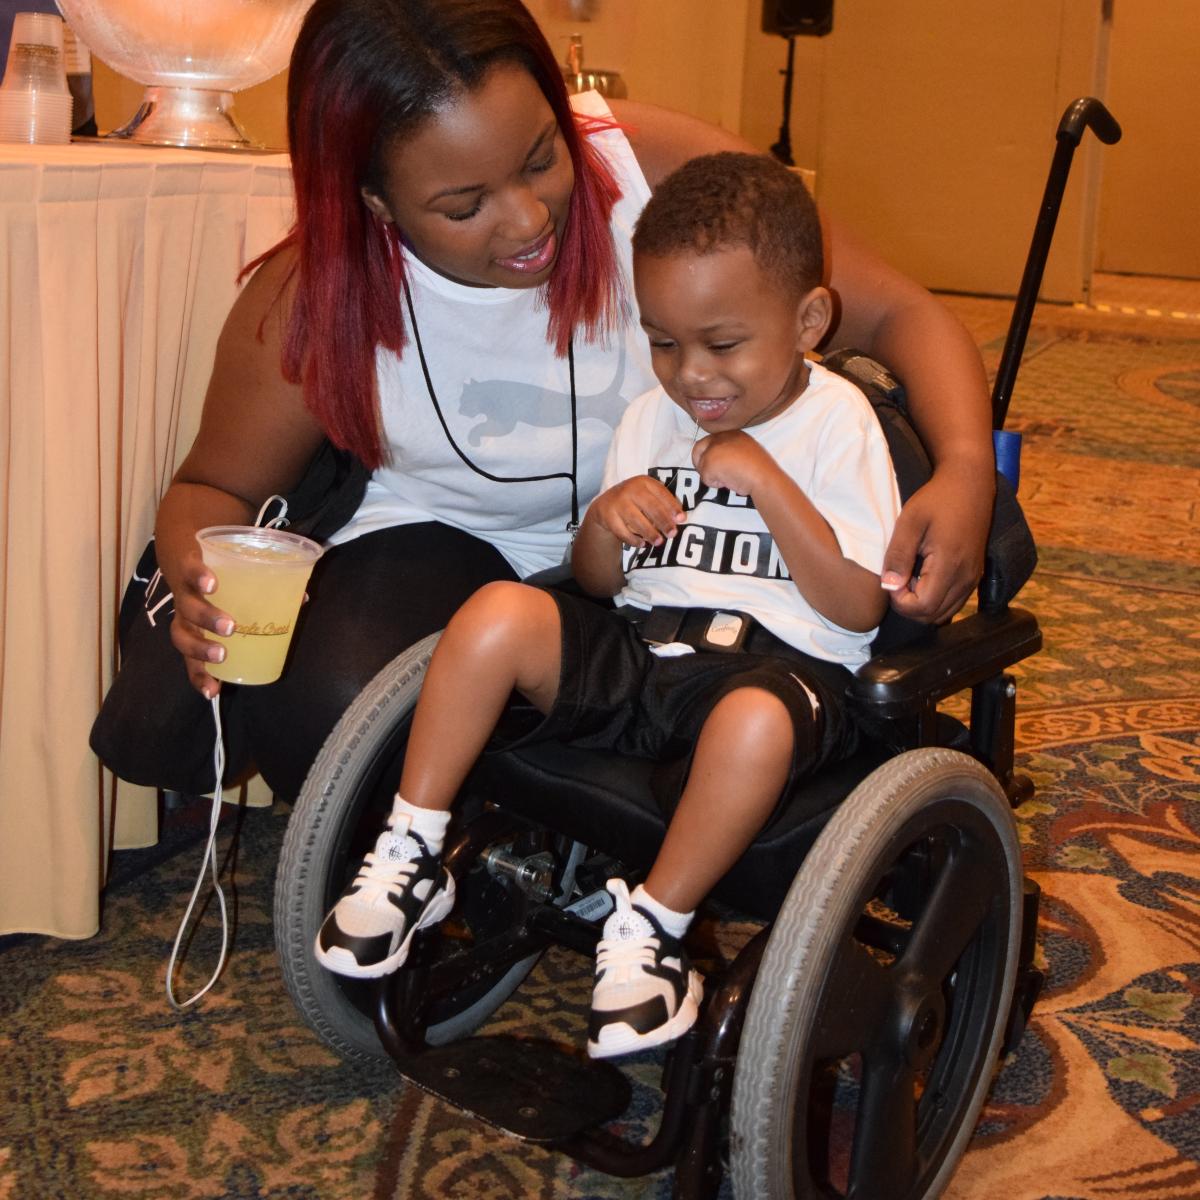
(823, 897)
(308, 842)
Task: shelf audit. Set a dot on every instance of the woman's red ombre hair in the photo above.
(364, 73)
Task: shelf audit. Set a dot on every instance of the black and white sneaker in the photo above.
(399, 889)
(646, 992)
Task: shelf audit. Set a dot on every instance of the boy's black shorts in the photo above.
(614, 694)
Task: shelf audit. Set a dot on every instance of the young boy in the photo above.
(752, 483)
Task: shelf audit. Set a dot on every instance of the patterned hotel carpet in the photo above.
(108, 1094)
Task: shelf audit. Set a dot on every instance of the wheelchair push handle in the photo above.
(1088, 113)
(1085, 113)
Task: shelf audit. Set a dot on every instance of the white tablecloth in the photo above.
(117, 267)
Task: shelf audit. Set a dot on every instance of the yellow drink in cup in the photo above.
(261, 576)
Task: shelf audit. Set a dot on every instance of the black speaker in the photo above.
(797, 18)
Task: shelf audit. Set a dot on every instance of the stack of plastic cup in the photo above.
(35, 102)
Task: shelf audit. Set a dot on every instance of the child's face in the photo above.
(727, 341)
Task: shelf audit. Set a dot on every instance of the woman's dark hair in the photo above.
(364, 73)
(728, 199)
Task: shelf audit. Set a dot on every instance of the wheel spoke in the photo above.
(884, 1159)
(857, 995)
(957, 905)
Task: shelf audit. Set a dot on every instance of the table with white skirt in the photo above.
(118, 265)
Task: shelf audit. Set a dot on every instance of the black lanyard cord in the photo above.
(571, 475)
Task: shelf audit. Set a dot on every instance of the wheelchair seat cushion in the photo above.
(607, 801)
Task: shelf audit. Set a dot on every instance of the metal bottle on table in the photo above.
(584, 79)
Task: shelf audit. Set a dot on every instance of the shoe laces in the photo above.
(392, 862)
(626, 956)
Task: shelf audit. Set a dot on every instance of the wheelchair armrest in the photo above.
(957, 656)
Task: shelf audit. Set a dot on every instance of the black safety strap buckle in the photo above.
(659, 626)
(702, 628)
(726, 631)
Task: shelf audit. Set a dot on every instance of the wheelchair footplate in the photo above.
(534, 1090)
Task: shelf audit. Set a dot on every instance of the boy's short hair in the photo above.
(719, 201)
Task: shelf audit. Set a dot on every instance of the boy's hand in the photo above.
(731, 460)
(638, 511)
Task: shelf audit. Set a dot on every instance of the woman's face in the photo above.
(480, 190)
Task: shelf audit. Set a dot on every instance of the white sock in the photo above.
(429, 823)
(672, 922)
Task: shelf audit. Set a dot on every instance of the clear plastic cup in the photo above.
(261, 576)
(35, 102)
(35, 54)
(38, 27)
(39, 117)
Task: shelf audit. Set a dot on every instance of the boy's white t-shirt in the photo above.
(505, 395)
(724, 557)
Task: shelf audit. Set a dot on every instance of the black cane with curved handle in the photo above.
(1085, 113)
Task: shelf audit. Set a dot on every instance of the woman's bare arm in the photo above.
(256, 437)
(663, 140)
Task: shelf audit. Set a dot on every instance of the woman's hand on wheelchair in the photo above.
(945, 526)
(194, 615)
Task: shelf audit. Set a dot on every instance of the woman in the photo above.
(452, 308)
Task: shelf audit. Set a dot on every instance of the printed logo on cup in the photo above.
(46, 55)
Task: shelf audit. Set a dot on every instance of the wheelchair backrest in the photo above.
(1011, 555)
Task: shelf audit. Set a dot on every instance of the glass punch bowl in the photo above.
(191, 55)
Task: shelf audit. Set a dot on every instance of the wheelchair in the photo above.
(847, 1049)
(894, 963)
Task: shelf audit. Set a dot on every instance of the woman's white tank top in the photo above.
(506, 399)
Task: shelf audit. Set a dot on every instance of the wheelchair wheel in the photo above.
(338, 815)
(878, 1011)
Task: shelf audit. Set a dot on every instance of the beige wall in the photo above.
(929, 123)
(936, 124)
(681, 54)
(1150, 199)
